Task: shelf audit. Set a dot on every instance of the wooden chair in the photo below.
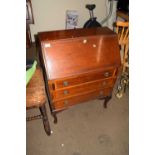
(122, 29)
(36, 98)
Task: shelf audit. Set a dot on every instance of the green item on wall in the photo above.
(30, 72)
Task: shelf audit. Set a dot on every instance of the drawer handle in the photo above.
(65, 83)
(66, 102)
(104, 83)
(101, 92)
(106, 74)
(65, 92)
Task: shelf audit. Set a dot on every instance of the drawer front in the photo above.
(62, 104)
(83, 78)
(82, 88)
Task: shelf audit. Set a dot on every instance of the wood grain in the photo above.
(79, 65)
(82, 78)
(66, 103)
(81, 88)
(79, 55)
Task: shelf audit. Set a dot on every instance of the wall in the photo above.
(51, 14)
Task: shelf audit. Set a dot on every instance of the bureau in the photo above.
(79, 65)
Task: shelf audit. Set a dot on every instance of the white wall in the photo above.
(51, 14)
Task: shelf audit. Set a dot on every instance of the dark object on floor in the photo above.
(36, 98)
(92, 21)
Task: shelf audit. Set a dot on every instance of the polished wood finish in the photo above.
(63, 104)
(76, 90)
(80, 79)
(79, 65)
(60, 64)
(36, 98)
(74, 33)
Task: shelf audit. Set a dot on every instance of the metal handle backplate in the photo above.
(65, 83)
(104, 83)
(65, 92)
(106, 74)
(101, 92)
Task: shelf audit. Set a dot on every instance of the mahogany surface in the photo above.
(82, 78)
(63, 104)
(79, 64)
(73, 33)
(88, 86)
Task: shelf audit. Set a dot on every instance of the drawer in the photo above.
(58, 105)
(71, 81)
(81, 88)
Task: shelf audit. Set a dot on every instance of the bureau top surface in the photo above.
(73, 33)
(73, 52)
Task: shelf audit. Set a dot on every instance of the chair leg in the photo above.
(45, 119)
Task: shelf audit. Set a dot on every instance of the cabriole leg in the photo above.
(106, 100)
(55, 118)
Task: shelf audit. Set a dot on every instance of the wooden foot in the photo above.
(55, 118)
(45, 120)
(53, 113)
(106, 100)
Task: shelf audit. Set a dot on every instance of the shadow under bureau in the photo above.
(79, 65)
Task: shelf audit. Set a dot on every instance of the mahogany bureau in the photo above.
(79, 65)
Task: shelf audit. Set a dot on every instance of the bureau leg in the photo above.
(55, 117)
(106, 100)
(53, 113)
(45, 120)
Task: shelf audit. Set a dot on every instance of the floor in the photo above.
(84, 129)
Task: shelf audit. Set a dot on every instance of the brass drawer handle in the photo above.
(104, 83)
(65, 83)
(106, 74)
(66, 102)
(65, 92)
(101, 93)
